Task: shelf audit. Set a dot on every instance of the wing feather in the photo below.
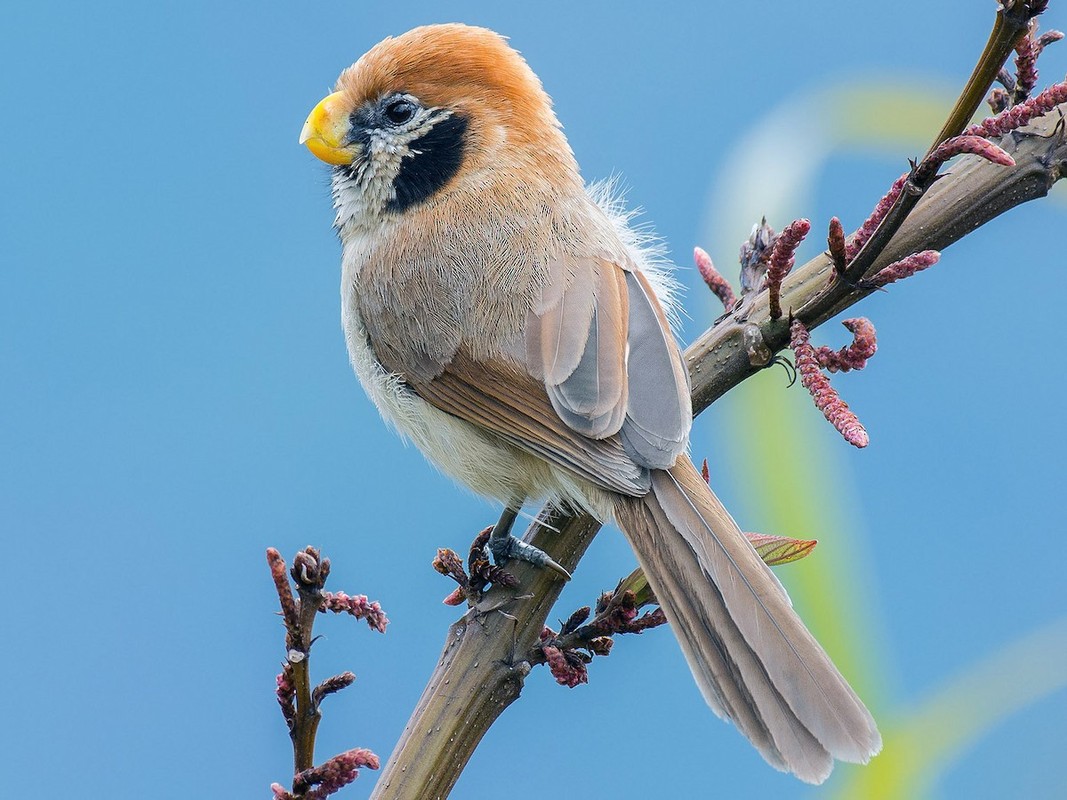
(498, 397)
(659, 413)
(576, 342)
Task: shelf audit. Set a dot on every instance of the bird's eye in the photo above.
(399, 111)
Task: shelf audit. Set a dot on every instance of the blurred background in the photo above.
(176, 397)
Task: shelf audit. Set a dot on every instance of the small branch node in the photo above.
(569, 651)
(755, 255)
(835, 242)
(756, 348)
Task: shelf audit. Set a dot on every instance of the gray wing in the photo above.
(602, 344)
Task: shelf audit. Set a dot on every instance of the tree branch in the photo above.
(481, 671)
(973, 193)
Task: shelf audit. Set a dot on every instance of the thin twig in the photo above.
(299, 702)
(1011, 22)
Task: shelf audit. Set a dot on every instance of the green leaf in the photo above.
(775, 550)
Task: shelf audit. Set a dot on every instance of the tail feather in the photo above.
(750, 653)
(719, 678)
(757, 706)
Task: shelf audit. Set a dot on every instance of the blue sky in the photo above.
(176, 398)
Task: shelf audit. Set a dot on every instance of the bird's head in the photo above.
(439, 109)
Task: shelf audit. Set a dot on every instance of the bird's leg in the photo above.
(504, 546)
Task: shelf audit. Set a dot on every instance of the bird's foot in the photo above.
(503, 546)
(507, 546)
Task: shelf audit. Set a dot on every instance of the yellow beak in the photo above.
(325, 131)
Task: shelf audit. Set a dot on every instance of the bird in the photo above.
(508, 319)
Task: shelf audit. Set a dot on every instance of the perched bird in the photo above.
(506, 319)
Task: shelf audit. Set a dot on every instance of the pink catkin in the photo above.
(1021, 114)
(864, 344)
(1047, 38)
(285, 689)
(870, 225)
(959, 145)
(334, 774)
(281, 584)
(782, 259)
(818, 385)
(1026, 53)
(285, 693)
(565, 673)
(333, 685)
(906, 267)
(719, 286)
(358, 606)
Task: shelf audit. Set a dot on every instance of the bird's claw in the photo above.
(507, 546)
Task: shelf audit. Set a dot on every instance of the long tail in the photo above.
(750, 653)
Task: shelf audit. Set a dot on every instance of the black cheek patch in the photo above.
(439, 156)
(358, 133)
(360, 123)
